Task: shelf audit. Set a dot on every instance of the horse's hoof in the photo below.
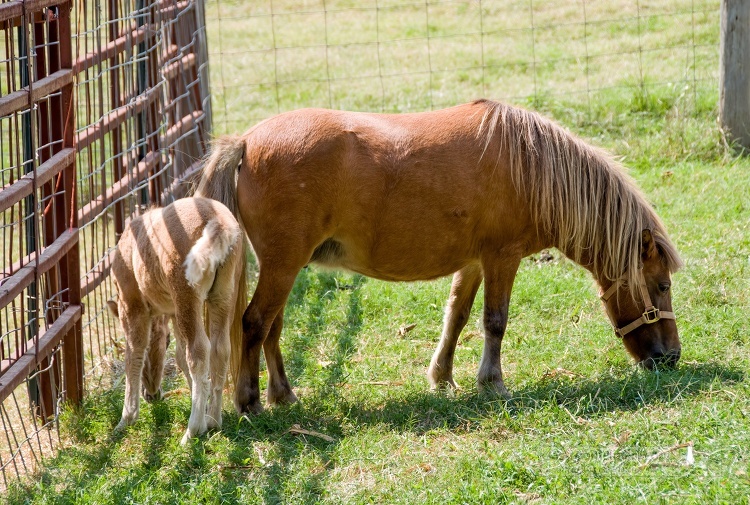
(440, 378)
(494, 388)
(254, 407)
(285, 397)
(442, 384)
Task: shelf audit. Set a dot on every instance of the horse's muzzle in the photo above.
(661, 360)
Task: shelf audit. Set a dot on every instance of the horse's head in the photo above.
(643, 318)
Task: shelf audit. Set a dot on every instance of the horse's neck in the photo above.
(587, 262)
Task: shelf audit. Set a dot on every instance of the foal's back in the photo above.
(154, 248)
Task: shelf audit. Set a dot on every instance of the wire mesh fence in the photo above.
(104, 111)
(401, 56)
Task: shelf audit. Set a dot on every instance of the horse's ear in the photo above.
(648, 246)
(113, 308)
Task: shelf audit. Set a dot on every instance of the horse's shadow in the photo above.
(419, 412)
(409, 409)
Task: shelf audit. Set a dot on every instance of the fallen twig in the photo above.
(406, 329)
(301, 431)
(651, 458)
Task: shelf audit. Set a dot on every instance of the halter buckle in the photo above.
(651, 315)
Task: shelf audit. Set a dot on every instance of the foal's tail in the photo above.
(210, 251)
(219, 182)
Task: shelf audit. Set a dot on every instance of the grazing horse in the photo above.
(469, 191)
(175, 262)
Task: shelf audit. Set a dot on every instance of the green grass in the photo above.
(584, 425)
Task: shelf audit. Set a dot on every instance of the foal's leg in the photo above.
(219, 322)
(179, 356)
(268, 301)
(463, 291)
(499, 274)
(136, 323)
(279, 390)
(153, 370)
(189, 328)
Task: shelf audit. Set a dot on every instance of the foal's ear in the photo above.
(648, 246)
(113, 308)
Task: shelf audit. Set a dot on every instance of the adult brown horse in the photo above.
(469, 191)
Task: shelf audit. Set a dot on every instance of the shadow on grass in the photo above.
(87, 460)
(312, 293)
(175, 471)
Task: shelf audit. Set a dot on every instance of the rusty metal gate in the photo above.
(104, 110)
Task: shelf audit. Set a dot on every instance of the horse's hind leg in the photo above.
(279, 390)
(189, 327)
(463, 291)
(153, 370)
(268, 301)
(499, 274)
(136, 323)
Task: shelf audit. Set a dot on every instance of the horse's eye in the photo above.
(664, 287)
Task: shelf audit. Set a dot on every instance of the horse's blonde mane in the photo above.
(579, 195)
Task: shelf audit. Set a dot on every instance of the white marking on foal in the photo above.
(208, 253)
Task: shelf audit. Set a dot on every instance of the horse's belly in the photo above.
(394, 258)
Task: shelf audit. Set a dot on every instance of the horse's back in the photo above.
(392, 196)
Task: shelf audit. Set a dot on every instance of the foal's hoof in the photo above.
(152, 397)
(124, 423)
(212, 422)
(186, 438)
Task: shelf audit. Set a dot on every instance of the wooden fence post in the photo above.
(734, 71)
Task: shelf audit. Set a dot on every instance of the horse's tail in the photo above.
(240, 304)
(219, 182)
(219, 177)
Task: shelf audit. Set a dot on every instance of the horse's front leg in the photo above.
(463, 291)
(499, 273)
(268, 301)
